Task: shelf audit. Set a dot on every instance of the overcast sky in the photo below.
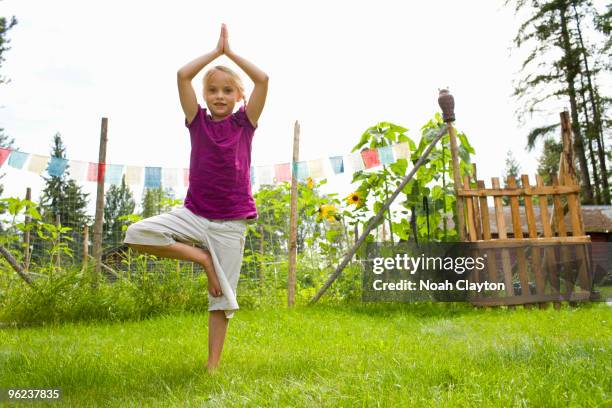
(337, 67)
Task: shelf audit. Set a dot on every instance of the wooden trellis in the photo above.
(539, 265)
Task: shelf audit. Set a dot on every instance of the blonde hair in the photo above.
(234, 79)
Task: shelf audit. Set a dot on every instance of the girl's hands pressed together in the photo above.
(223, 43)
(219, 48)
(225, 37)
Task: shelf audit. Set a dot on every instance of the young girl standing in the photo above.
(219, 198)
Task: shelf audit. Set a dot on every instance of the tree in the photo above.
(63, 196)
(157, 201)
(548, 162)
(513, 168)
(5, 26)
(119, 201)
(559, 67)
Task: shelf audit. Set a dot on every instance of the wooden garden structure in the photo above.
(551, 264)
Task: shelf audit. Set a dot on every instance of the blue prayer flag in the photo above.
(385, 154)
(337, 164)
(152, 177)
(113, 173)
(57, 166)
(18, 159)
(300, 170)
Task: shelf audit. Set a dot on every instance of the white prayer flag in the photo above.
(315, 169)
(169, 177)
(78, 170)
(356, 161)
(133, 175)
(38, 163)
(401, 151)
(264, 174)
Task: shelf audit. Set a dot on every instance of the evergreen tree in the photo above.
(558, 64)
(5, 26)
(62, 196)
(513, 169)
(548, 162)
(156, 201)
(118, 201)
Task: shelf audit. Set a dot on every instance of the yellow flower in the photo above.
(309, 183)
(327, 211)
(355, 198)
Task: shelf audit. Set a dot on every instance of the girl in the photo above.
(219, 199)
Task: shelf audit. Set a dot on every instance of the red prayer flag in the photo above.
(370, 158)
(95, 172)
(282, 172)
(4, 154)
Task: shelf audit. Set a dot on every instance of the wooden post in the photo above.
(291, 278)
(457, 180)
(85, 246)
(26, 235)
(97, 236)
(262, 254)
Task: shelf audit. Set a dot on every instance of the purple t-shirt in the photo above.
(219, 167)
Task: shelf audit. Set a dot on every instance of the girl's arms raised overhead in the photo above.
(259, 78)
(187, 95)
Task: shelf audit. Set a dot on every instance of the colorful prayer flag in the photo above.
(152, 177)
(133, 175)
(113, 173)
(315, 168)
(78, 169)
(282, 172)
(386, 155)
(265, 174)
(170, 177)
(370, 158)
(38, 163)
(57, 166)
(4, 154)
(401, 151)
(337, 164)
(300, 169)
(18, 159)
(92, 171)
(356, 161)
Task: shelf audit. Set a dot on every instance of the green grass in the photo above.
(388, 355)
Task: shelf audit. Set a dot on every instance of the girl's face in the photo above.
(221, 95)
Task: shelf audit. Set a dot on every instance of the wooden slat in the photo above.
(470, 211)
(538, 190)
(530, 215)
(492, 269)
(574, 215)
(518, 300)
(522, 272)
(484, 213)
(509, 242)
(544, 217)
(501, 233)
(514, 209)
(476, 203)
(558, 211)
(499, 212)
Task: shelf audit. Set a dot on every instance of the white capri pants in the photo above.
(223, 238)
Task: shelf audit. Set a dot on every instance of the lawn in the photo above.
(386, 355)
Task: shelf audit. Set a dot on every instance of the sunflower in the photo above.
(309, 183)
(327, 211)
(355, 198)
